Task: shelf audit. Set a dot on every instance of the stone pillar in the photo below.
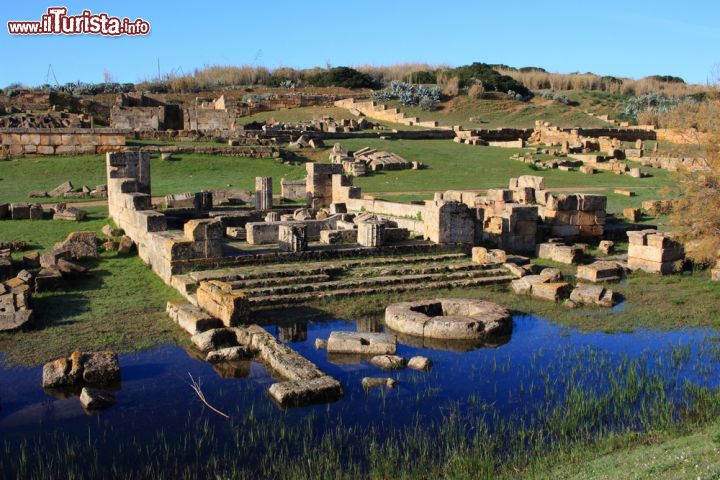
(203, 201)
(292, 238)
(263, 193)
(272, 217)
(371, 234)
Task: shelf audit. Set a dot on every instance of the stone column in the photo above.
(371, 234)
(292, 238)
(263, 193)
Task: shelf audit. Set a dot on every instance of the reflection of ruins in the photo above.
(369, 325)
(290, 332)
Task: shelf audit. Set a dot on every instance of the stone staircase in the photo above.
(302, 282)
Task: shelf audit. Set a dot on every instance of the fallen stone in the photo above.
(606, 246)
(228, 354)
(550, 291)
(375, 382)
(419, 363)
(484, 256)
(95, 399)
(215, 339)
(111, 232)
(191, 318)
(32, 259)
(50, 259)
(48, 278)
(125, 246)
(25, 276)
(551, 274)
(600, 271)
(588, 294)
(110, 246)
(70, 214)
(100, 367)
(37, 194)
(388, 362)
(362, 343)
(70, 269)
(306, 392)
(61, 189)
(78, 368)
(320, 344)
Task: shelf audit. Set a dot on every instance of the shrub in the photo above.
(490, 78)
(476, 91)
(452, 87)
(411, 95)
(345, 77)
(423, 76)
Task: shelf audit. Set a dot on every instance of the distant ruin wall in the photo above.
(202, 119)
(60, 141)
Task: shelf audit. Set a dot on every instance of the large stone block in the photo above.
(362, 343)
(219, 300)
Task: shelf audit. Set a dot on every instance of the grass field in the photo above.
(119, 305)
(184, 173)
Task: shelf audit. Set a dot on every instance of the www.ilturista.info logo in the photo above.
(57, 22)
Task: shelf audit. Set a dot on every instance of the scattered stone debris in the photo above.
(483, 256)
(419, 363)
(375, 382)
(587, 294)
(15, 293)
(82, 368)
(606, 246)
(600, 271)
(559, 252)
(62, 211)
(547, 285)
(80, 245)
(389, 362)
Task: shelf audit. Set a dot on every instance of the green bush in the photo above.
(342, 77)
(491, 79)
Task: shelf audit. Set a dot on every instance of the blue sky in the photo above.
(628, 38)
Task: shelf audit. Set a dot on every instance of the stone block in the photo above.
(550, 291)
(362, 343)
(220, 301)
(600, 272)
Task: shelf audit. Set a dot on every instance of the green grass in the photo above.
(455, 166)
(119, 305)
(184, 173)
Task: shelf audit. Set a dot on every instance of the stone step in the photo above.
(276, 281)
(311, 268)
(432, 268)
(298, 298)
(370, 282)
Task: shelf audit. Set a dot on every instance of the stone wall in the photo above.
(293, 189)
(262, 233)
(203, 119)
(377, 111)
(129, 204)
(60, 141)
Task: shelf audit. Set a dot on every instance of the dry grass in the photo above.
(536, 80)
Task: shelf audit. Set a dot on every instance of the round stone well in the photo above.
(449, 319)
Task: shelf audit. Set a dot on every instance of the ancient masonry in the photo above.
(263, 193)
(654, 252)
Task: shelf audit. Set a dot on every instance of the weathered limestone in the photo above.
(191, 318)
(389, 362)
(449, 319)
(483, 256)
(654, 252)
(219, 300)
(293, 189)
(229, 354)
(600, 271)
(448, 222)
(263, 193)
(548, 285)
(371, 234)
(82, 368)
(606, 246)
(375, 382)
(15, 311)
(362, 343)
(79, 244)
(292, 238)
(419, 363)
(559, 252)
(306, 392)
(587, 294)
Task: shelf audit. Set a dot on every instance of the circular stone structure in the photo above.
(449, 318)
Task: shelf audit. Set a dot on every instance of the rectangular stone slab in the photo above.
(363, 343)
(306, 392)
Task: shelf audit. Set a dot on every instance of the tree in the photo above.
(696, 213)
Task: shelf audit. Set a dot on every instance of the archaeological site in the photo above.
(213, 268)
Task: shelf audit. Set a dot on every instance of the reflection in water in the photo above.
(493, 341)
(369, 325)
(292, 331)
(235, 369)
